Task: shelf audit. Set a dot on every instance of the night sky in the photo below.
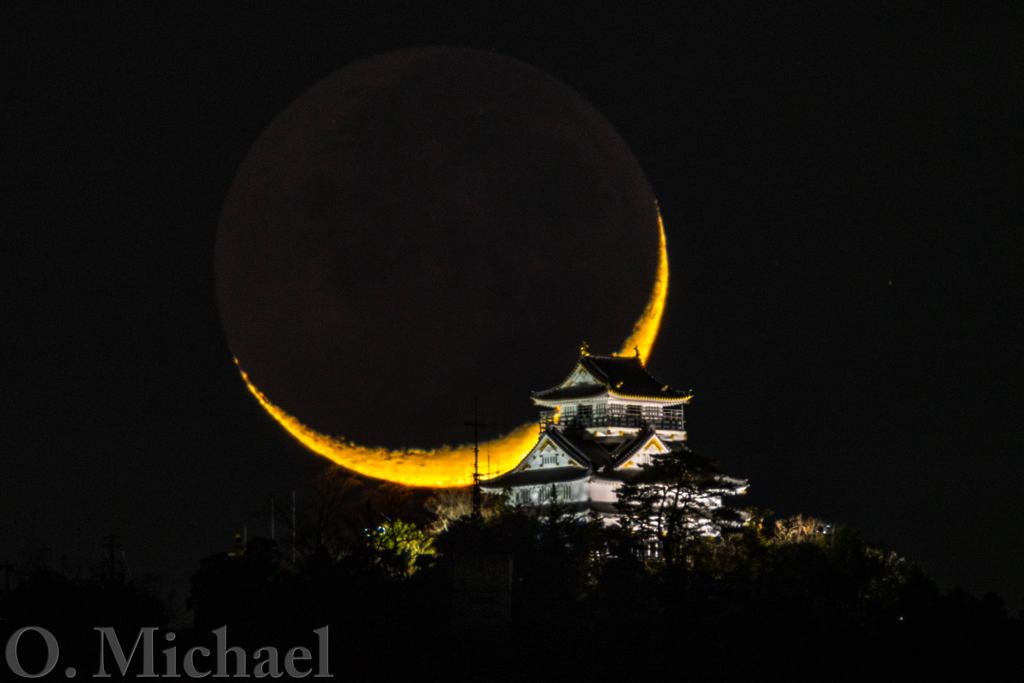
(841, 193)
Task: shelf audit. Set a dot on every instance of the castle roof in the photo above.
(630, 446)
(622, 376)
(577, 443)
(545, 475)
(595, 457)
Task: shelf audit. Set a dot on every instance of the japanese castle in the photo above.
(597, 428)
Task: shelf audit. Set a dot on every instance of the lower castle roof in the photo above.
(536, 477)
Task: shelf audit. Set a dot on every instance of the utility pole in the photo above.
(477, 501)
(294, 522)
(114, 567)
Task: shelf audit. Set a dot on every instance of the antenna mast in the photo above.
(476, 424)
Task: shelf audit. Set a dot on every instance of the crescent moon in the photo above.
(452, 466)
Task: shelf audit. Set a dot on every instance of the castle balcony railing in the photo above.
(625, 420)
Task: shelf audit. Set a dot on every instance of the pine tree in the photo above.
(673, 500)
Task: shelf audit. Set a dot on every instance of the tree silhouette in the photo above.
(673, 500)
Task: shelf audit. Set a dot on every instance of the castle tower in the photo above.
(608, 417)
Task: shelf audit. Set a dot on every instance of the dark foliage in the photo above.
(518, 595)
(794, 599)
(70, 607)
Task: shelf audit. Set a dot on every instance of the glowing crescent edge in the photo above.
(450, 466)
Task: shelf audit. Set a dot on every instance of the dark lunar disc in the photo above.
(426, 226)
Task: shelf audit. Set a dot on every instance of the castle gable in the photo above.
(579, 375)
(641, 452)
(550, 452)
